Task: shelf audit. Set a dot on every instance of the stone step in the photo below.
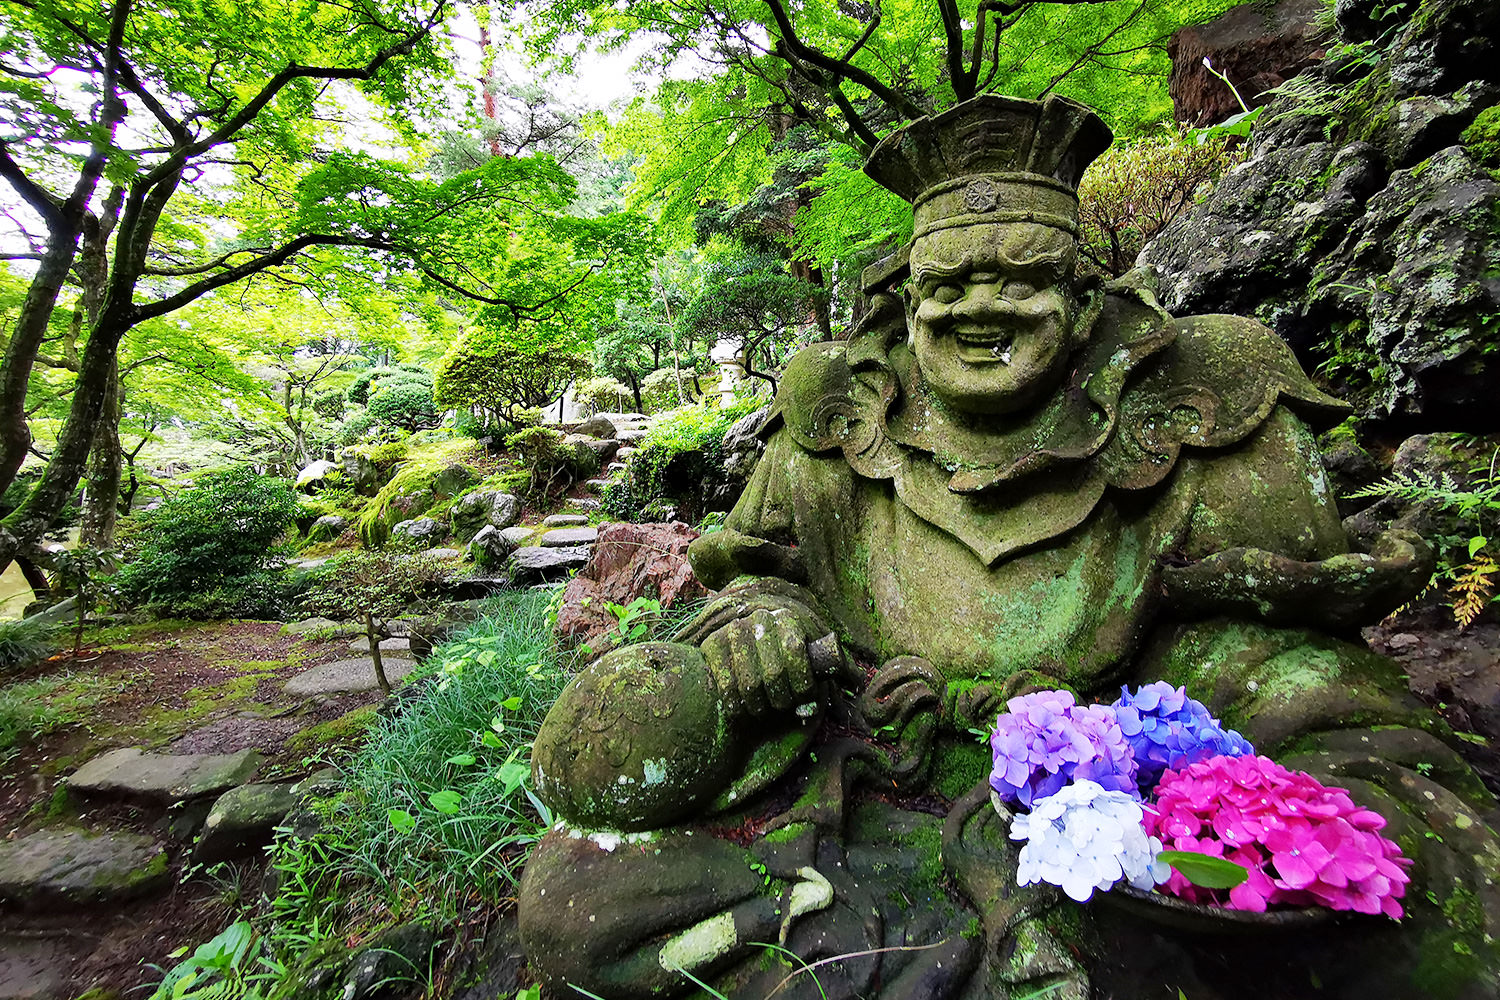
(64, 868)
(559, 537)
(354, 674)
(564, 520)
(597, 485)
(161, 779)
(534, 564)
(617, 467)
(243, 820)
(398, 647)
(583, 503)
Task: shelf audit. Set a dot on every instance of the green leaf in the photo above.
(512, 774)
(491, 740)
(486, 658)
(1476, 543)
(512, 703)
(461, 759)
(446, 802)
(403, 821)
(1205, 870)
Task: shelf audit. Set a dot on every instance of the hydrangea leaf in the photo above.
(1204, 870)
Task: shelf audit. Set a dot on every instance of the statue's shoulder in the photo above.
(817, 374)
(1247, 371)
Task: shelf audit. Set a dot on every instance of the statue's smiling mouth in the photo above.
(980, 347)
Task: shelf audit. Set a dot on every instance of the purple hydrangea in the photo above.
(1167, 729)
(1045, 741)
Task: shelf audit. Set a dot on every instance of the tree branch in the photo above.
(43, 202)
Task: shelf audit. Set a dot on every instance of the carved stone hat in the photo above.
(992, 159)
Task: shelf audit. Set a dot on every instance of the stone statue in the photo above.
(1011, 477)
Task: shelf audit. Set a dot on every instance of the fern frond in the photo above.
(1473, 590)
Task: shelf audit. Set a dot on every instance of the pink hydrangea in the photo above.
(1304, 844)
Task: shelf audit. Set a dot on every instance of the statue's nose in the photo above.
(983, 302)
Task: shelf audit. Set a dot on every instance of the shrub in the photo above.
(551, 465)
(676, 464)
(23, 643)
(1135, 190)
(329, 403)
(192, 555)
(360, 389)
(403, 401)
(384, 584)
(602, 395)
(659, 390)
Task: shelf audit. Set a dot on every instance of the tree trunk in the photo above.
(102, 492)
(635, 389)
(22, 531)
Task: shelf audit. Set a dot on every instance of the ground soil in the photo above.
(189, 688)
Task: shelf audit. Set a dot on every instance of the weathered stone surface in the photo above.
(242, 821)
(417, 532)
(564, 520)
(310, 477)
(490, 547)
(33, 968)
(361, 472)
(354, 674)
(597, 426)
(1430, 458)
(441, 553)
(629, 561)
(603, 449)
(743, 445)
(1258, 47)
(1369, 242)
(306, 625)
(68, 868)
(520, 534)
(534, 564)
(397, 646)
(131, 775)
(327, 528)
(596, 485)
(558, 537)
(631, 435)
(583, 503)
(474, 511)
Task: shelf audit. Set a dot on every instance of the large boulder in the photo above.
(327, 528)
(1258, 46)
(629, 561)
(490, 547)
(534, 564)
(418, 533)
(75, 868)
(361, 472)
(743, 447)
(242, 821)
(597, 426)
(311, 477)
(474, 511)
(1365, 228)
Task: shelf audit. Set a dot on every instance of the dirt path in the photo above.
(171, 688)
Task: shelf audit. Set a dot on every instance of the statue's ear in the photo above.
(1089, 295)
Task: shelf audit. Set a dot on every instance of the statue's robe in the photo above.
(1164, 516)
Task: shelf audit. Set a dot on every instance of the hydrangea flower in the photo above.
(1304, 843)
(1086, 837)
(1045, 741)
(1167, 729)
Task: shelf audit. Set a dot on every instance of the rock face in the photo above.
(1364, 227)
(243, 820)
(67, 868)
(1258, 46)
(327, 528)
(474, 511)
(629, 561)
(162, 779)
(361, 472)
(417, 533)
(742, 450)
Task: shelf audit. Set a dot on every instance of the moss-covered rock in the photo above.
(426, 483)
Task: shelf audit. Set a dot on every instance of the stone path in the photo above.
(131, 775)
(74, 868)
(354, 674)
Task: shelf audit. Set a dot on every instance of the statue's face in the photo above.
(991, 314)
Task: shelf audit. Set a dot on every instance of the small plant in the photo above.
(25, 642)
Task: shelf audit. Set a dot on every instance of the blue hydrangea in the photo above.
(1168, 730)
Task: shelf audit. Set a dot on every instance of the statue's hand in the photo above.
(772, 659)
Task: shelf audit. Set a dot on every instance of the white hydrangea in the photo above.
(1086, 837)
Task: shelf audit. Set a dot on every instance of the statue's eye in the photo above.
(1019, 289)
(947, 293)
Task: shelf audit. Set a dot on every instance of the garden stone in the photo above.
(354, 674)
(597, 426)
(999, 483)
(63, 868)
(583, 503)
(602, 449)
(597, 485)
(490, 547)
(743, 445)
(361, 472)
(534, 564)
(397, 646)
(34, 968)
(520, 534)
(564, 520)
(473, 511)
(132, 775)
(614, 467)
(327, 528)
(321, 625)
(623, 455)
(441, 553)
(418, 531)
(631, 435)
(629, 561)
(242, 821)
(396, 954)
(1258, 48)
(315, 472)
(569, 536)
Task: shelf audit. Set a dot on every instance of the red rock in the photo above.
(629, 561)
(1257, 46)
